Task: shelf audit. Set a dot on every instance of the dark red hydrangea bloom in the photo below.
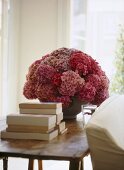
(64, 99)
(87, 93)
(100, 96)
(94, 80)
(80, 59)
(29, 90)
(44, 73)
(64, 75)
(56, 79)
(32, 69)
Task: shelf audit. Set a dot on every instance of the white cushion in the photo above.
(105, 133)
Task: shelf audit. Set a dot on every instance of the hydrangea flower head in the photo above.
(64, 75)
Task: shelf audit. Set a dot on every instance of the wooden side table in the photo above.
(71, 146)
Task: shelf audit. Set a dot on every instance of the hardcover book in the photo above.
(42, 105)
(34, 120)
(22, 135)
(59, 118)
(29, 129)
(61, 126)
(40, 111)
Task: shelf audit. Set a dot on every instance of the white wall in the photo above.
(40, 27)
(38, 34)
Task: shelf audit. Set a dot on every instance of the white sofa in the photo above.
(105, 134)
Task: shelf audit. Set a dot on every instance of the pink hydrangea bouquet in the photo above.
(64, 75)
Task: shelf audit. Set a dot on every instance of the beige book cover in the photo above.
(29, 128)
(22, 135)
(61, 126)
(42, 105)
(40, 111)
(59, 118)
(30, 119)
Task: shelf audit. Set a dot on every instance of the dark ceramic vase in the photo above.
(72, 111)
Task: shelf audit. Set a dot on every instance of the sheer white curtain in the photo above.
(0, 56)
(4, 7)
(10, 19)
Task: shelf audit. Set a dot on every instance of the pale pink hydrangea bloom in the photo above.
(61, 64)
(45, 92)
(71, 83)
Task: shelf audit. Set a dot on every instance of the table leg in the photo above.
(75, 165)
(40, 165)
(31, 164)
(5, 163)
(82, 165)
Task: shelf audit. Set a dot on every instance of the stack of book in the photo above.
(40, 121)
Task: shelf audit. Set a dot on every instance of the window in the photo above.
(95, 26)
(78, 24)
